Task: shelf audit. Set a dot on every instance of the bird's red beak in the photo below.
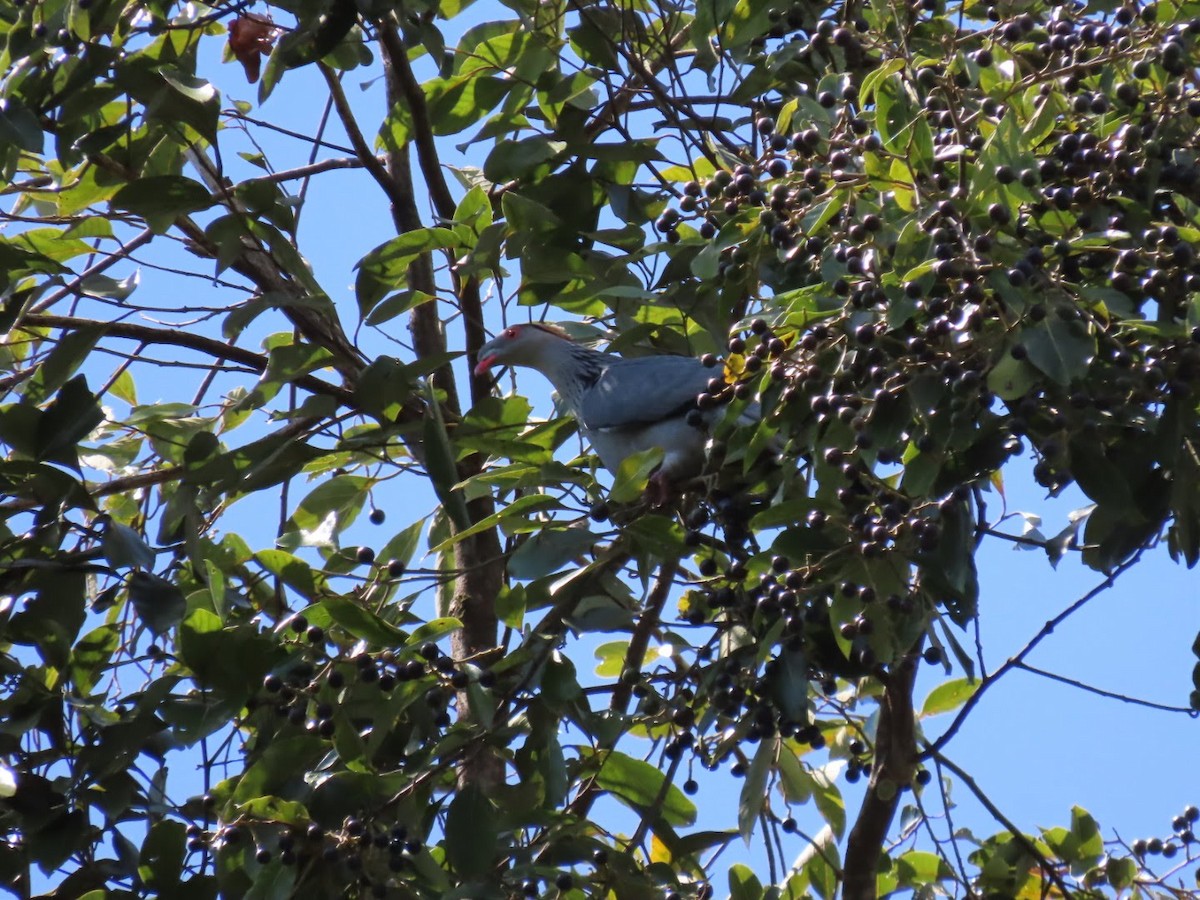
(484, 364)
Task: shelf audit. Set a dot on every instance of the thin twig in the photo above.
(362, 150)
(306, 171)
(180, 338)
(1124, 698)
(1014, 661)
(72, 287)
(1019, 836)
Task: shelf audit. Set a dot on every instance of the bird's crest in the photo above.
(553, 329)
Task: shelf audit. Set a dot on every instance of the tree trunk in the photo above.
(895, 761)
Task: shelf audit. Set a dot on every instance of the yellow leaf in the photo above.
(658, 851)
(998, 483)
(735, 367)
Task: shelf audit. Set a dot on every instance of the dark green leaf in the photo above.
(161, 861)
(457, 103)
(1121, 872)
(471, 832)
(70, 351)
(158, 602)
(754, 789)
(1062, 350)
(362, 623)
(160, 199)
(510, 160)
(441, 465)
(19, 127)
(385, 268)
(124, 547)
(69, 418)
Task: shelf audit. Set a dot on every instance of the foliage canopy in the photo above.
(933, 240)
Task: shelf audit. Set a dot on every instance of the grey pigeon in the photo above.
(623, 406)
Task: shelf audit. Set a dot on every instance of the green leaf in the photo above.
(158, 602)
(362, 623)
(548, 550)
(396, 130)
(434, 630)
(19, 127)
(789, 685)
(829, 801)
(795, 780)
(397, 304)
(69, 418)
(754, 789)
(457, 103)
(743, 883)
(294, 572)
(325, 513)
(1085, 830)
(274, 809)
(160, 199)
(1062, 350)
(640, 784)
(111, 288)
(471, 832)
(1011, 378)
(70, 351)
(383, 387)
(947, 696)
(875, 76)
(518, 510)
(612, 658)
(385, 268)
(1121, 872)
(441, 465)
(122, 546)
(92, 655)
(920, 868)
(161, 861)
(633, 473)
(748, 20)
(821, 214)
(511, 160)
(821, 868)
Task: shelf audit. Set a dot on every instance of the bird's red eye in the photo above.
(510, 332)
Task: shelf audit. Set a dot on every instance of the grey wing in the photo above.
(646, 389)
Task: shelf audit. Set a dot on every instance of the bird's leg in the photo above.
(658, 490)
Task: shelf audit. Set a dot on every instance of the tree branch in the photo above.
(1027, 845)
(73, 286)
(410, 93)
(307, 171)
(362, 150)
(634, 655)
(403, 88)
(479, 557)
(1014, 661)
(178, 338)
(1100, 692)
(895, 760)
